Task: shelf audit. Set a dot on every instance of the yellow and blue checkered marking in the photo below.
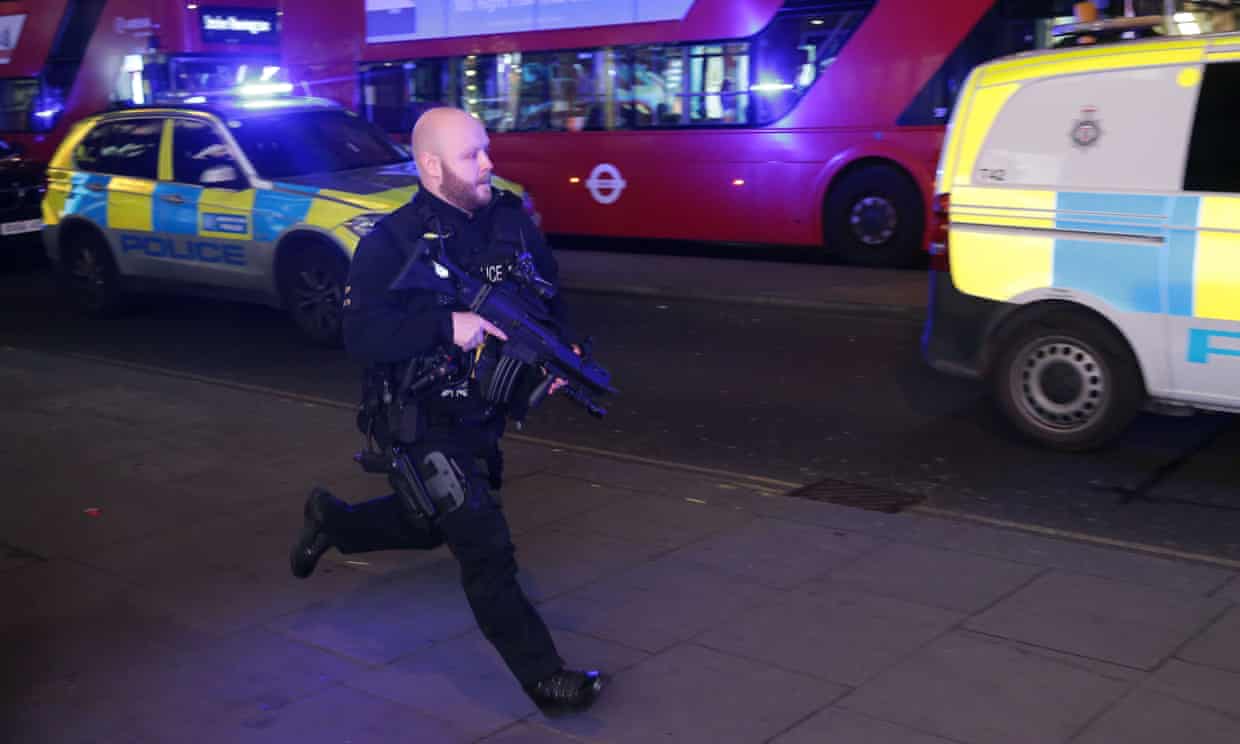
(1178, 255)
(176, 219)
(275, 211)
(92, 205)
(1128, 275)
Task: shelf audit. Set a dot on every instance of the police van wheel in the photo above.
(1068, 382)
(312, 284)
(874, 217)
(88, 275)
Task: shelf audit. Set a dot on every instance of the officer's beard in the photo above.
(462, 194)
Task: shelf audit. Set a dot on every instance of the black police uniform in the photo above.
(382, 327)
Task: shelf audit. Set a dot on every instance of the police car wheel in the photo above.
(1068, 382)
(313, 288)
(874, 217)
(88, 274)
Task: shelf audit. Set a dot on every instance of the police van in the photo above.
(257, 199)
(1088, 235)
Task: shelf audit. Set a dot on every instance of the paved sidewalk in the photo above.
(901, 293)
(146, 598)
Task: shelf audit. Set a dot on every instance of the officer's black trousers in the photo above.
(477, 534)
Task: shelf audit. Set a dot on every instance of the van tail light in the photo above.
(939, 238)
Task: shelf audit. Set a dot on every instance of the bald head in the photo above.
(450, 148)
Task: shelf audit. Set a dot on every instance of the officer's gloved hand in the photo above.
(469, 330)
(560, 382)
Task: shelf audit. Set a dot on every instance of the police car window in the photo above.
(302, 143)
(195, 148)
(1214, 157)
(122, 148)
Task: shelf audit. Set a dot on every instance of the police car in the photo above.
(256, 199)
(1089, 235)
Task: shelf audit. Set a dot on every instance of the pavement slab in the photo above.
(690, 693)
(657, 604)
(1205, 686)
(1218, 646)
(464, 679)
(837, 636)
(544, 573)
(835, 725)
(1084, 558)
(1149, 718)
(386, 617)
(981, 690)
(541, 499)
(936, 578)
(1121, 623)
(335, 715)
(779, 554)
(656, 521)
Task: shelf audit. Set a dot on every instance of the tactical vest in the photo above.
(493, 384)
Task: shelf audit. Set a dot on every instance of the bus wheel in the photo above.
(1067, 381)
(874, 217)
(88, 275)
(312, 282)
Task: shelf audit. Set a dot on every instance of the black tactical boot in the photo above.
(566, 691)
(313, 542)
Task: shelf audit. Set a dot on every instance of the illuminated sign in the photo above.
(239, 25)
(133, 26)
(10, 32)
(408, 20)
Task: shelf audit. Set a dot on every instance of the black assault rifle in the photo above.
(517, 307)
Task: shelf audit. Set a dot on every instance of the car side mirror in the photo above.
(221, 176)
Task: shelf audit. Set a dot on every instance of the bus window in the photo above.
(718, 82)
(17, 106)
(395, 95)
(658, 86)
(489, 84)
(797, 46)
(533, 92)
(385, 97)
(577, 96)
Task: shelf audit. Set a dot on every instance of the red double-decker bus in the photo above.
(794, 122)
(61, 60)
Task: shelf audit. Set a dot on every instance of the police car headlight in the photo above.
(362, 224)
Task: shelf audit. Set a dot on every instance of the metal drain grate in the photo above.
(861, 497)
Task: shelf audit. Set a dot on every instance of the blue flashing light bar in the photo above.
(265, 89)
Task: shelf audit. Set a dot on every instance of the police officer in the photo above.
(384, 327)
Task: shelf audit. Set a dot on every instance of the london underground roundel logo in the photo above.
(605, 183)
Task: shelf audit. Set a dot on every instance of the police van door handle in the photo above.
(96, 186)
(173, 198)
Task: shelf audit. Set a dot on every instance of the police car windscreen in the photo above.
(300, 143)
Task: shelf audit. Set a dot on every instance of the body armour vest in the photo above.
(486, 247)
